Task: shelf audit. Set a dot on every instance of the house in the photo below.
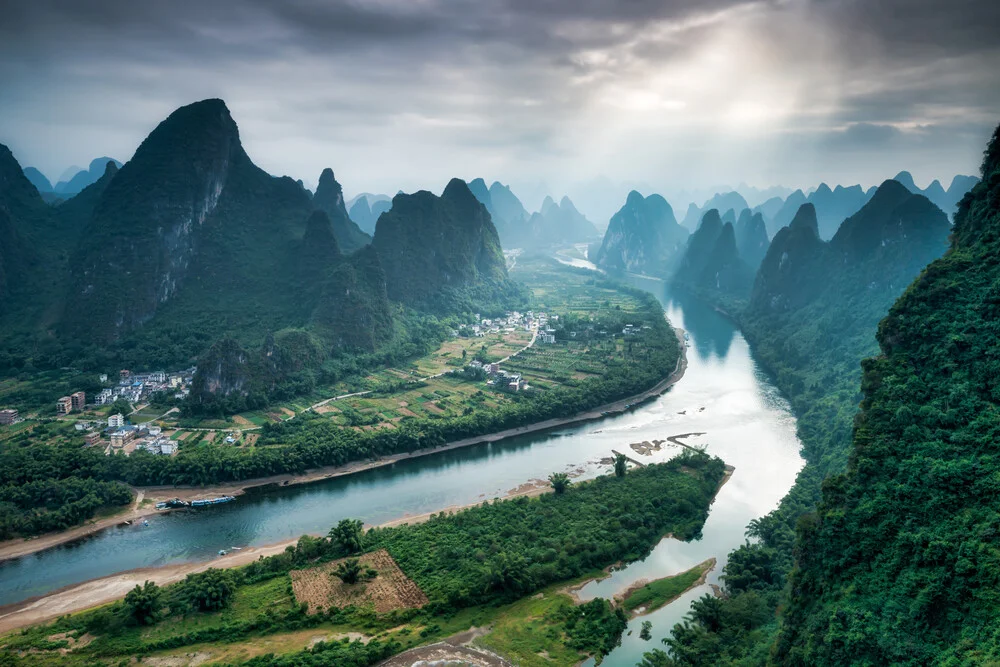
(78, 399)
(102, 378)
(64, 405)
(123, 375)
(92, 439)
(122, 436)
(116, 421)
(548, 338)
(104, 397)
(154, 430)
(158, 376)
(167, 448)
(8, 417)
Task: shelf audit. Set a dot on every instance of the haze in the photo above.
(547, 96)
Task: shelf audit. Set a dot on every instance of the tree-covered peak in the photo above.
(711, 222)
(805, 220)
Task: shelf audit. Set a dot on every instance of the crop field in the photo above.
(389, 590)
(436, 398)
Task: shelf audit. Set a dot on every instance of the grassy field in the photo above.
(655, 594)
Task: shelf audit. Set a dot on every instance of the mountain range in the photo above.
(190, 251)
(552, 225)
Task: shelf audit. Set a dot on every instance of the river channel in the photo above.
(723, 395)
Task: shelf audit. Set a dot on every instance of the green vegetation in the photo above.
(560, 481)
(469, 564)
(899, 565)
(657, 593)
(812, 319)
(643, 236)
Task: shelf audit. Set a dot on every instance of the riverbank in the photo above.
(149, 496)
(103, 590)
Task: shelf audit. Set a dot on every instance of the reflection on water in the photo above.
(708, 337)
(723, 394)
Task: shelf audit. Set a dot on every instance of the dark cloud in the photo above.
(405, 93)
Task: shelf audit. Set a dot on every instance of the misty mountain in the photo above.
(38, 179)
(881, 247)
(83, 177)
(720, 201)
(832, 207)
(329, 198)
(642, 237)
(751, 238)
(558, 224)
(711, 266)
(946, 200)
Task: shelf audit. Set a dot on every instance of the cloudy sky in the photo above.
(403, 94)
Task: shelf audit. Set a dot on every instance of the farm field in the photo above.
(389, 590)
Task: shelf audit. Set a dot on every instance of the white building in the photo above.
(116, 421)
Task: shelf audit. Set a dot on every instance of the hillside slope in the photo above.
(900, 564)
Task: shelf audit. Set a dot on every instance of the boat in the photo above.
(171, 504)
(236, 548)
(212, 501)
(222, 552)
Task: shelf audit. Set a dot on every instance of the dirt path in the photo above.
(19, 547)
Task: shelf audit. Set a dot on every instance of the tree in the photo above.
(348, 535)
(349, 571)
(646, 633)
(621, 465)
(210, 590)
(121, 406)
(560, 481)
(142, 603)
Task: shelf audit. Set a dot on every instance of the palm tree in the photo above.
(348, 535)
(349, 571)
(559, 481)
(621, 464)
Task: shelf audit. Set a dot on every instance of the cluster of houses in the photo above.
(509, 323)
(120, 436)
(135, 387)
(499, 379)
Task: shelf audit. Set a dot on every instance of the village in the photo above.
(113, 430)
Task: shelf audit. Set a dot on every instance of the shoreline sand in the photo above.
(95, 592)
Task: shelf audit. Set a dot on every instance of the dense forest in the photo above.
(811, 318)
(899, 564)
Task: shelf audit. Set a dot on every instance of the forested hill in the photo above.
(712, 266)
(900, 565)
(643, 236)
(442, 252)
(811, 318)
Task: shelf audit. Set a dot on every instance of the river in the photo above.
(723, 394)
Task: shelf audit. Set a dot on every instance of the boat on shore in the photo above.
(173, 503)
(212, 501)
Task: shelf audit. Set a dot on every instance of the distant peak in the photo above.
(634, 198)
(327, 177)
(478, 182)
(805, 218)
(712, 218)
(111, 168)
(456, 190)
(906, 179)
